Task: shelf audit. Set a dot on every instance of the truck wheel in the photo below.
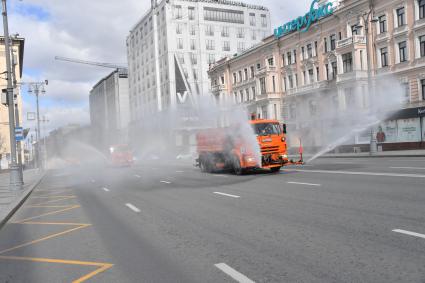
(205, 165)
(237, 167)
(275, 169)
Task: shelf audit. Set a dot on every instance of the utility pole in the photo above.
(19, 143)
(15, 180)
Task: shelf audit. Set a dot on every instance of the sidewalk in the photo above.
(396, 153)
(11, 201)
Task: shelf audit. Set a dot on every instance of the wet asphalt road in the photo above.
(335, 220)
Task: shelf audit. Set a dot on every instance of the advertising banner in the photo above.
(409, 130)
(389, 130)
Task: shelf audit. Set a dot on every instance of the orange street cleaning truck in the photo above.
(260, 145)
(121, 155)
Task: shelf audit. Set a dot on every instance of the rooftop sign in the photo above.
(303, 23)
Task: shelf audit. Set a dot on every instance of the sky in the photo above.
(92, 30)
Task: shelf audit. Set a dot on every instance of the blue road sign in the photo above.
(19, 134)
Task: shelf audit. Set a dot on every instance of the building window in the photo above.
(180, 56)
(252, 19)
(226, 45)
(223, 15)
(289, 57)
(291, 82)
(252, 71)
(402, 47)
(222, 80)
(423, 89)
(263, 20)
(327, 71)
(210, 44)
(401, 17)
(241, 33)
(303, 52)
(192, 44)
(191, 13)
(240, 76)
(263, 85)
(295, 56)
(245, 72)
(310, 76)
(209, 30)
(241, 46)
(192, 30)
(179, 43)
(253, 35)
(270, 61)
(211, 58)
(193, 59)
(333, 42)
(195, 74)
(334, 70)
(178, 12)
(179, 29)
(253, 92)
(317, 74)
(305, 77)
(422, 45)
(421, 9)
(309, 51)
(325, 41)
(274, 83)
(225, 31)
(382, 24)
(234, 78)
(355, 30)
(384, 57)
(347, 61)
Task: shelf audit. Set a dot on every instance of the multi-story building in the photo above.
(17, 49)
(109, 109)
(171, 47)
(324, 68)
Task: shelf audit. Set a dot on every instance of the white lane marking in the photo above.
(222, 176)
(418, 168)
(409, 233)
(178, 171)
(233, 273)
(227, 195)
(357, 173)
(165, 182)
(106, 189)
(307, 184)
(137, 176)
(93, 181)
(132, 207)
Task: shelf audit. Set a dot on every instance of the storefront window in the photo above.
(421, 9)
(409, 130)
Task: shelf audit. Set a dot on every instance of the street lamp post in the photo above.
(15, 170)
(367, 19)
(37, 87)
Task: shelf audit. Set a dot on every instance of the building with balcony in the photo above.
(325, 69)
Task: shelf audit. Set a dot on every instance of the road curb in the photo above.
(372, 156)
(15, 205)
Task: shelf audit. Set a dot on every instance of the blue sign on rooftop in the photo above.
(303, 23)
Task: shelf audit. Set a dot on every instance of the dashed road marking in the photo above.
(409, 233)
(227, 195)
(221, 175)
(93, 181)
(306, 184)
(132, 207)
(233, 273)
(357, 173)
(165, 182)
(106, 189)
(137, 176)
(179, 171)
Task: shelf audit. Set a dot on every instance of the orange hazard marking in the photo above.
(101, 266)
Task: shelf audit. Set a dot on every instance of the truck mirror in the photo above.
(284, 128)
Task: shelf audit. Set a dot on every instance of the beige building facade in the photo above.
(325, 70)
(18, 54)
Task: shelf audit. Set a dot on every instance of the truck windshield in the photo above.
(266, 129)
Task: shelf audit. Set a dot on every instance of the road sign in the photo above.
(19, 134)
